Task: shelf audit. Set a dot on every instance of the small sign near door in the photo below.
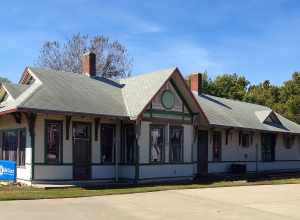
(8, 170)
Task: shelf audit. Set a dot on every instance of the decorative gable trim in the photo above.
(169, 79)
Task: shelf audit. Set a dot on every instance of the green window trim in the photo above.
(102, 145)
(20, 159)
(60, 150)
(181, 159)
(168, 99)
(163, 147)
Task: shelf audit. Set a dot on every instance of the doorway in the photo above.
(202, 153)
(268, 143)
(82, 150)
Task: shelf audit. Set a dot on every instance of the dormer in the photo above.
(268, 117)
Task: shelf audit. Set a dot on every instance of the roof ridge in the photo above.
(235, 100)
(148, 73)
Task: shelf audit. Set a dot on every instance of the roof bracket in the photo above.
(17, 116)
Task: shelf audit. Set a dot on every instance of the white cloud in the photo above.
(188, 56)
(139, 25)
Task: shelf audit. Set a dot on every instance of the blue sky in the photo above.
(259, 39)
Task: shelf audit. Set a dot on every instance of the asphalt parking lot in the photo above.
(246, 202)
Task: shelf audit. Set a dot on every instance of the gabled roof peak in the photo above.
(263, 114)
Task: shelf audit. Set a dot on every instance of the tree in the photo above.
(283, 99)
(112, 59)
(4, 80)
(290, 97)
(263, 94)
(227, 85)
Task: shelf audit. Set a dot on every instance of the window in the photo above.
(176, 144)
(13, 146)
(168, 99)
(217, 146)
(289, 141)
(53, 142)
(127, 151)
(245, 139)
(157, 144)
(107, 143)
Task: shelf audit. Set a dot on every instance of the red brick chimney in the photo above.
(89, 64)
(195, 82)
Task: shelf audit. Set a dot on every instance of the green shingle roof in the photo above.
(75, 93)
(232, 113)
(15, 89)
(139, 90)
(71, 92)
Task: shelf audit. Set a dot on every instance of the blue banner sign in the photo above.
(8, 170)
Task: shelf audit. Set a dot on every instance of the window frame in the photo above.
(182, 144)
(18, 132)
(247, 138)
(220, 134)
(169, 91)
(163, 127)
(289, 141)
(114, 127)
(60, 151)
(124, 147)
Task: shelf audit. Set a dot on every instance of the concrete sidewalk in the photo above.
(247, 202)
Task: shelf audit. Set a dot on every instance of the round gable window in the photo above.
(168, 99)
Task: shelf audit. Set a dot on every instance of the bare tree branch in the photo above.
(112, 59)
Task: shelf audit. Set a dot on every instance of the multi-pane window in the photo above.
(176, 144)
(108, 143)
(53, 141)
(217, 146)
(13, 143)
(157, 140)
(128, 143)
(245, 140)
(289, 141)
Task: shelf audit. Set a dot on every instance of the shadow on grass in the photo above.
(204, 181)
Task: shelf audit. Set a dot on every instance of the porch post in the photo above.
(31, 118)
(68, 122)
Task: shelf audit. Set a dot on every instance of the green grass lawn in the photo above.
(28, 193)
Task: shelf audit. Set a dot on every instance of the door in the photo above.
(268, 143)
(202, 152)
(82, 150)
